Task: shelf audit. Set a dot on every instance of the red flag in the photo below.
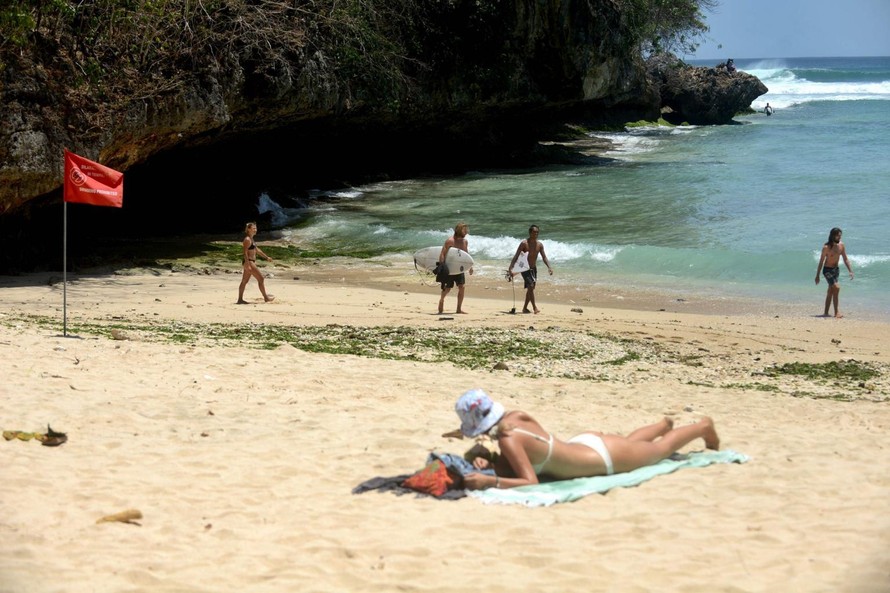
(87, 182)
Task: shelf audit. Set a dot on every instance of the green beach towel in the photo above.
(570, 490)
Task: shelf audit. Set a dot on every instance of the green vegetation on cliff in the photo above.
(381, 48)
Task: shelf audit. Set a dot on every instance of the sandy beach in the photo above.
(239, 433)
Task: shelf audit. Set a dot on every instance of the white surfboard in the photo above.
(457, 260)
(521, 264)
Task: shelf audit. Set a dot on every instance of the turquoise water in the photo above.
(725, 211)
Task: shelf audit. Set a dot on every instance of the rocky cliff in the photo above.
(473, 86)
(197, 142)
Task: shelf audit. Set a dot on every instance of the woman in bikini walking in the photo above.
(528, 451)
(248, 264)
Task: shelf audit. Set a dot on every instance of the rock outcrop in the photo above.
(700, 95)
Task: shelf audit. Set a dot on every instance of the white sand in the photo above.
(242, 460)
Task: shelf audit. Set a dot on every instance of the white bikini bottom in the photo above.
(596, 443)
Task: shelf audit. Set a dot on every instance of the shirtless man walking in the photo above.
(459, 241)
(832, 251)
(534, 248)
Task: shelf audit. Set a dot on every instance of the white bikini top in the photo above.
(540, 466)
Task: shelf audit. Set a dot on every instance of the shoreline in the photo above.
(381, 273)
(732, 336)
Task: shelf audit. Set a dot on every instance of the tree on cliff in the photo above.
(675, 26)
(121, 47)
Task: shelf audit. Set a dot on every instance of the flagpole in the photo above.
(64, 268)
(85, 182)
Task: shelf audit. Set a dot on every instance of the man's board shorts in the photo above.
(459, 279)
(530, 277)
(831, 274)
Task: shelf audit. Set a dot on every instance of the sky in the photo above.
(796, 29)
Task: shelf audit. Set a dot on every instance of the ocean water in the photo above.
(734, 211)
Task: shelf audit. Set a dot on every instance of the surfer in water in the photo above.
(832, 252)
(532, 247)
(459, 241)
(768, 110)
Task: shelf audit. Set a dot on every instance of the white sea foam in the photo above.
(865, 261)
(634, 141)
(345, 194)
(787, 89)
(278, 216)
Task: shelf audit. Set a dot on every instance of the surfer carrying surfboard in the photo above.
(458, 241)
(530, 248)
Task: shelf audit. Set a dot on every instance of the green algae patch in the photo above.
(845, 370)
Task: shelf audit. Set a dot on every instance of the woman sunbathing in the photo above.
(528, 451)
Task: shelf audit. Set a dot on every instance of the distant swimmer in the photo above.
(768, 110)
